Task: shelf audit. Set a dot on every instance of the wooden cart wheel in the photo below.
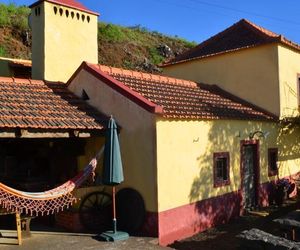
(95, 211)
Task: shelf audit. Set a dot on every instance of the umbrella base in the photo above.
(114, 236)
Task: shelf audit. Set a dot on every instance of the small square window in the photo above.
(221, 169)
(273, 161)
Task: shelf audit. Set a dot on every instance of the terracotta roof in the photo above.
(176, 98)
(32, 104)
(241, 35)
(67, 3)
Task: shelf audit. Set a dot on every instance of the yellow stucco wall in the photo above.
(137, 136)
(60, 43)
(289, 68)
(185, 157)
(251, 74)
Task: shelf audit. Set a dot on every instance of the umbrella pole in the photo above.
(114, 235)
(114, 209)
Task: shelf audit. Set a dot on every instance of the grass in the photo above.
(142, 38)
(139, 34)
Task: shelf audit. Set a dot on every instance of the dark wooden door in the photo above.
(249, 175)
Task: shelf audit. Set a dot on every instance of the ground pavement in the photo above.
(65, 241)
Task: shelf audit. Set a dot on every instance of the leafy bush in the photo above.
(15, 16)
(155, 57)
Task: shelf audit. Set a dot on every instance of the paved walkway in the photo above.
(69, 241)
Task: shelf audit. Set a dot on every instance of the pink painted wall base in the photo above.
(187, 220)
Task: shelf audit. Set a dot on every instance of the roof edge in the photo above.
(209, 55)
(66, 5)
(215, 88)
(119, 87)
(223, 53)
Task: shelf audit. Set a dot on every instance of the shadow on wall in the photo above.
(217, 205)
(289, 150)
(213, 211)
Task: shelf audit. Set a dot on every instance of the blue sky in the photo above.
(197, 20)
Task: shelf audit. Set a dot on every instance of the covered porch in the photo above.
(47, 134)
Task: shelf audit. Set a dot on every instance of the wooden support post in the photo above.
(18, 223)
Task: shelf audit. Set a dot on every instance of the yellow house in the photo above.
(198, 154)
(187, 147)
(249, 61)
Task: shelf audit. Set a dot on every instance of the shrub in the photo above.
(15, 16)
(155, 57)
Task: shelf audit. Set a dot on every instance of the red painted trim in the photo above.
(119, 87)
(187, 220)
(257, 167)
(217, 182)
(271, 171)
(190, 219)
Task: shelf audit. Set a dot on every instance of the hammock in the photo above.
(47, 202)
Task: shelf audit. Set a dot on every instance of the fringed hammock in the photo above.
(48, 202)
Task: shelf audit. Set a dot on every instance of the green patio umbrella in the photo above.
(113, 175)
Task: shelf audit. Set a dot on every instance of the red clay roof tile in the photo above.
(44, 105)
(180, 99)
(241, 35)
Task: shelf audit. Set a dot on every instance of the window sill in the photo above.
(221, 184)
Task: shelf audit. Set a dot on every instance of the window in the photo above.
(221, 169)
(273, 161)
(37, 11)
